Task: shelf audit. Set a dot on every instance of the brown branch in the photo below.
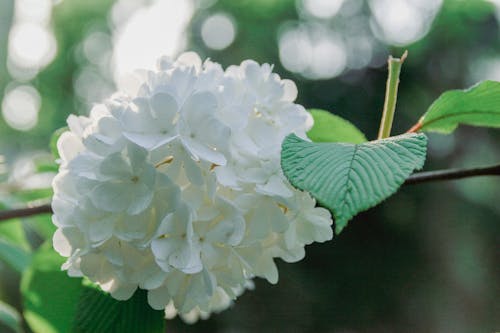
(416, 178)
(452, 174)
(25, 212)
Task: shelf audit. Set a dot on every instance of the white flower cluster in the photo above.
(179, 190)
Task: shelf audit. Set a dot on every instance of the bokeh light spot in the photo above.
(96, 48)
(322, 8)
(402, 22)
(35, 11)
(151, 31)
(20, 107)
(314, 53)
(218, 31)
(31, 45)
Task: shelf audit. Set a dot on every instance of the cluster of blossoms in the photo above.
(178, 190)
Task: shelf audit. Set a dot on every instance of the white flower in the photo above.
(178, 190)
(174, 245)
(201, 133)
(125, 182)
(150, 122)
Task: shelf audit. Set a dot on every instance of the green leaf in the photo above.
(45, 163)
(12, 231)
(14, 247)
(331, 128)
(10, 317)
(99, 312)
(478, 105)
(14, 256)
(53, 141)
(57, 303)
(349, 178)
(33, 194)
(41, 225)
(50, 296)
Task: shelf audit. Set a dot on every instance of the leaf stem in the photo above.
(391, 95)
(452, 174)
(415, 128)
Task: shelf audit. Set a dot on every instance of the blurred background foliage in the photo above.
(426, 260)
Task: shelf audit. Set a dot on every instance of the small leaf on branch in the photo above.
(349, 178)
(478, 106)
(331, 128)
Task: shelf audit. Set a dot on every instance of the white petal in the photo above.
(290, 90)
(112, 197)
(158, 298)
(164, 107)
(123, 292)
(275, 186)
(201, 151)
(142, 197)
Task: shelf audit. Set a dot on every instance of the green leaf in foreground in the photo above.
(12, 231)
(14, 247)
(478, 105)
(99, 312)
(349, 178)
(41, 225)
(57, 303)
(10, 317)
(50, 295)
(14, 256)
(331, 128)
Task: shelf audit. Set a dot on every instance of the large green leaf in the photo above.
(99, 312)
(478, 105)
(331, 128)
(10, 317)
(50, 295)
(349, 178)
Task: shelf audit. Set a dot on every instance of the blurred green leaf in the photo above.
(74, 306)
(14, 247)
(99, 312)
(12, 231)
(14, 256)
(10, 317)
(50, 295)
(42, 225)
(47, 167)
(331, 128)
(33, 194)
(478, 105)
(53, 141)
(349, 178)
(45, 163)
